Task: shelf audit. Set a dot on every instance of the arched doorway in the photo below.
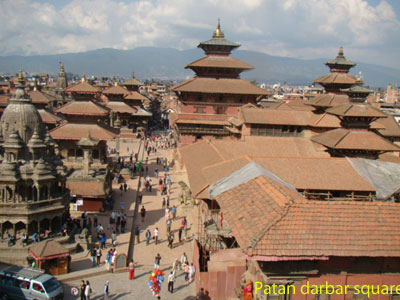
(44, 225)
(32, 227)
(56, 224)
(7, 228)
(20, 228)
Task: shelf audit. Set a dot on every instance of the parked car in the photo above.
(28, 284)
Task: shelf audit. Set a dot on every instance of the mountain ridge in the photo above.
(168, 64)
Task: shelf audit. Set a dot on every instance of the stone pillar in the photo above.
(86, 160)
(1, 230)
(38, 193)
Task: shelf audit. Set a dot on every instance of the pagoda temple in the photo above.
(124, 113)
(215, 94)
(334, 83)
(345, 98)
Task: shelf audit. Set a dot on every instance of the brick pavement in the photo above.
(143, 255)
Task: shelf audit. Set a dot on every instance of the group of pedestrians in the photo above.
(85, 290)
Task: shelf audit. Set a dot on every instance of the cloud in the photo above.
(298, 28)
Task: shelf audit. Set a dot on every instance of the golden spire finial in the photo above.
(340, 51)
(20, 76)
(218, 32)
(61, 66)
(83, 77)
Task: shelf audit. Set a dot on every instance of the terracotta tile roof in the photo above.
(326, 121)
(49, 117)
(86, 108)
(82, 87)
(116, 90)
(135, 96)
(219, 86)
(389, 157)
(354, 140)
(336, 78)
(72, 131)
(276, 117)
(132, 81)
(47, 249)
(326, 174)
(220, 61)
(86, 189)
(293, 105)
(288, 117)
(195, 157)
(202, 154)
(39, 97)
(121, 107)
(356, 110)
(390, 127)
(269, 220)
(328, 100)
(269, 146)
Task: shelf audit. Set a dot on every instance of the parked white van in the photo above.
(28, 284)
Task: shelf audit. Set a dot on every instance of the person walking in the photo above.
(157, 261)
(106, 290)
(173, 212)
(82, 290)
(132, 270)
(156, 235)
(98, 255)
(186, 271)
(175, 265)
(168, 226)
(171, 280)
(192, 271)
(137, 234)
(108, 260)
(200, 295)
(88, 290)
(143, 213)
(180, 234)
(93, 255)
(171, 240)
(184, 260)
(148, 237)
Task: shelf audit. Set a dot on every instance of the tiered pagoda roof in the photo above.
(219, 86)
(354, 140)
(338, 77)
(116, 90)
(82, 87)
(84, 108)
(132, 82)
(75, 132)
(218, 73)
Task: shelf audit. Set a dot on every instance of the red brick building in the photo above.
(215, 93)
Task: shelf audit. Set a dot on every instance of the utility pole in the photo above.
(131, 247)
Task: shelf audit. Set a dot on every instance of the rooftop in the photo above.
(271, 222)
(219, 86)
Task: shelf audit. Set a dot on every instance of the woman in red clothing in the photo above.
(132, 270)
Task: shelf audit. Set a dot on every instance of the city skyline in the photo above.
(301, 29)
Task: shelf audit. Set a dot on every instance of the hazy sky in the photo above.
(369, 30)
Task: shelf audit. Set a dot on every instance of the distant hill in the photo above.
(168, 63)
